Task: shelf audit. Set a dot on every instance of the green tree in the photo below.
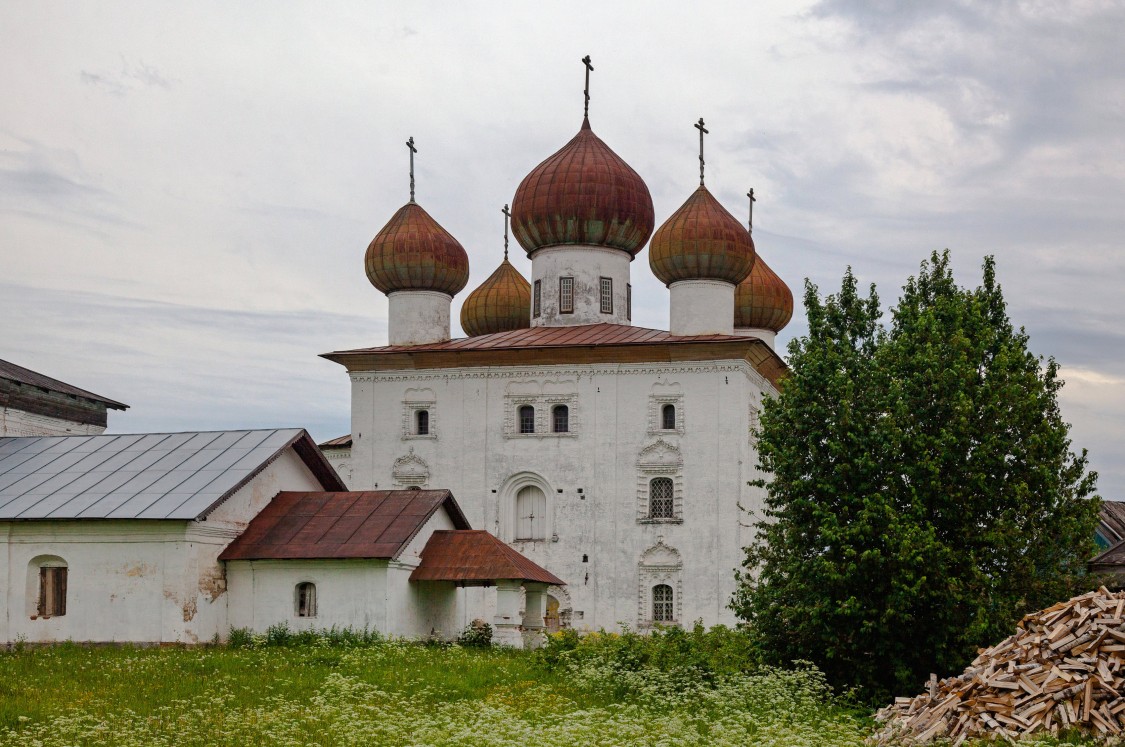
(923, 495)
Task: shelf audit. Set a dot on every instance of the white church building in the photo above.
(616, 456)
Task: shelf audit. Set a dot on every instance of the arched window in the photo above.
(422, 422)
(560, 419)
(662, 607)
(306, 599)
(661, 504)
(531, 514)
(668, 417)
(52, 574)
(527, 419)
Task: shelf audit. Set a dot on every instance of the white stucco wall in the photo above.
(701, 307)
(22, 423)
(417, 317)
(587, 265)
(341, 461)
(357, 594)
(615, 446)
(135, 580)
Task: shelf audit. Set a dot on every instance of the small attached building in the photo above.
(395, 561)
(117, 538)
(32, 404)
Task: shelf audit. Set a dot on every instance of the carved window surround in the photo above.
(410, 471)
(543, 404)
(660, 564)
(656, 404)
(660, 459)
(410, 421)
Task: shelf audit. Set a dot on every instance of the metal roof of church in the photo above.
(19, 374)
(548, 337)
(476, 557)
(181, 476)
(373, 524)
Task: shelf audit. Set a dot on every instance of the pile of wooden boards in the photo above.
(1063, 668)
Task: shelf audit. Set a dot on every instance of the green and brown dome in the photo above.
(762, 300)
(501, 304)
(413, 252)
(701, 241)
(583, 194)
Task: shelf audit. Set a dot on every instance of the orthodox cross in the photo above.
(750, 194)
(586, 61)
(702, 131)
(413, 150)
(507, 216)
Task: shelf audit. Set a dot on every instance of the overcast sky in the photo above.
(187, 189)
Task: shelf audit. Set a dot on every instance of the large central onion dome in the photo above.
(413, 252)
(583, 194)
(701, 241)
(501, 303)
(762, 300)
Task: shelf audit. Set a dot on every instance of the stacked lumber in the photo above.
(1064, 668)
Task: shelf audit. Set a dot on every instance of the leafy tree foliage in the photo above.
(923, 493)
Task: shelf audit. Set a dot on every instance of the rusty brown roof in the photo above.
(762, 300)
(476, 557)
(375, 524)
(21, 375)
(586, 343)
(701, 240)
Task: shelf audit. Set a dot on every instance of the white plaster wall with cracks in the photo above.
(591, 476)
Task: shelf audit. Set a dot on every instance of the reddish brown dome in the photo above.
(583, 194)
(701, 241)
(763, 300)
(501, 303)
(413, 252)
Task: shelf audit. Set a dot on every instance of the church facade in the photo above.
(616, 456)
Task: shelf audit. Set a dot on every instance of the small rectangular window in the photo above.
(566, 295)
(527, 419)
(536, 303)
(560, 419)
(607, 295)
(629, 301)
(423, 422)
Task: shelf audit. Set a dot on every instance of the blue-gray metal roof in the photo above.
(138, 476)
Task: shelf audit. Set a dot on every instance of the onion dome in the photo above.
(501, 303)
(413, 252)
(701, 241)
(583, 194)
(763, 300)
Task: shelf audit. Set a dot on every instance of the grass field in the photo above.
(397, 693)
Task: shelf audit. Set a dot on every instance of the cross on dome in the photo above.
(507, 216)
(413, 150)
(750, 223)
(702, 131)
(586, 92)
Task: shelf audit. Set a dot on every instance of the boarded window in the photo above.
(536, 299)
(660, 501)
(607, 295)
(662, 608)
(566, 295)
(668, 417)
(52, 592)
(422, 422)
(527, 419)
(531, 514)
(306, 599)
(560, 419)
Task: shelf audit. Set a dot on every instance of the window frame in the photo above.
(566, 294)
(305, 601)
(537, 299)
(421, 422)
(52, 591)
(667, 499)
(521, 422)
(605, 295)
(629, 302)
(663, 610)
(556, 410)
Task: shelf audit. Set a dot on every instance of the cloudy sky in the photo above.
(187, 189)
